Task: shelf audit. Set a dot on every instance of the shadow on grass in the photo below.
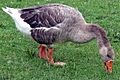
(31, 53)
(2, 26)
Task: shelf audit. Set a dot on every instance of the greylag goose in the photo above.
(54, 23)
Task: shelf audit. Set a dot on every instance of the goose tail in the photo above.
(11, 11)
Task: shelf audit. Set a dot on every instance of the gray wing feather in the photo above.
(45, 37)
(42, 16)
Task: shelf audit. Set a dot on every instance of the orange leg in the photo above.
(42, 52)
(50, 56)
(51, 60)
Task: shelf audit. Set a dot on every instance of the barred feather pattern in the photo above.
(45, 37)
(43, 16)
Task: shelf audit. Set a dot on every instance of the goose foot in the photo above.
(108, 66)
(59, 63)
(51, 60)
(42, 52)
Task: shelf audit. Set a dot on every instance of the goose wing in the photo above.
(42, 16)
(45, 35)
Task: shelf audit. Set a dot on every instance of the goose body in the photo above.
(53, 23)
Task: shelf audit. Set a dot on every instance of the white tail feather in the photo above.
(20, 24)
(6, 10)
(11, 11)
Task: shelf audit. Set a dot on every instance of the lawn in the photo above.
(19, 55)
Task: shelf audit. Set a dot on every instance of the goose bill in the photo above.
(108, 66)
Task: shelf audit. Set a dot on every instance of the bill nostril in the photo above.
(109, 56)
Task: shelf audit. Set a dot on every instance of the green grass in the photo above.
(18, 54)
